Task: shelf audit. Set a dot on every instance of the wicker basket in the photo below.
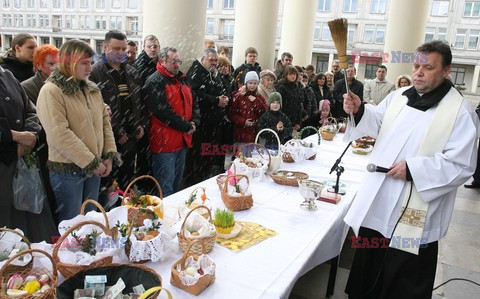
(50, 293)
(68, 270)
(287, 158)
(13, 269)
(280, 178)
(201, 284)
(150, 291)
(329, 130)
(275, 161)
(196, 204)
(99, 207)
(207, 242)
(140, 214)
(236, 203)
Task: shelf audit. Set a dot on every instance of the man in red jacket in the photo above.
(174, 116)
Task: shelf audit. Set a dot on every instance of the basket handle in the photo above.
(203, 189)
(188, 214)
(236, 175)
(4, 229)
(309, 127)
(137, 179)
(257, 146)
(186, 253)
(99, 206)
(58, 244)
(153, 290)
(54, 266)
(274, 133)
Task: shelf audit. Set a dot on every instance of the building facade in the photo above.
(456, 21)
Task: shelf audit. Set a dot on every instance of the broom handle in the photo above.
(352, 119)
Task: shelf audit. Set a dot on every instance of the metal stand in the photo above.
(336, 189)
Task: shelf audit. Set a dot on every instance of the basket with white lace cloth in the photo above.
(153, 249)
(253, 161)
(296, 150)
(276, 155)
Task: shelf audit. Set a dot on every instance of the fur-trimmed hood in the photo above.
(70, 85)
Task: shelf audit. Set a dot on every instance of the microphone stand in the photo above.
(339, 170)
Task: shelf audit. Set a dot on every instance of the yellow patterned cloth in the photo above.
(252, 233)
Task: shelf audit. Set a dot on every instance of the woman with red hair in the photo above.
(44, 60)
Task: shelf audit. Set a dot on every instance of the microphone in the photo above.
(374, 168)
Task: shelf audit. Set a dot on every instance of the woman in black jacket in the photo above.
(322, 92)
(292, 96)
(19, 59)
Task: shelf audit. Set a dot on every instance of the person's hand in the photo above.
(123, 139)
(26, 138)
(351, 103)
(140, 132)
(279, 126)
(222, 101)
(296, 127)
(108, 109)
(100, 171)
(249, 122)
(398, 170)
(20, 150)
(251, 98)
(108, 166)
(193, 129)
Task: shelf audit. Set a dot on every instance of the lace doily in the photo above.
(297, 151)
(204, 262)
(153, 249)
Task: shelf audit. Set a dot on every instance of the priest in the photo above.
(426, 137)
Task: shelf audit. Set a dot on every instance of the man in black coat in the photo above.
(210, 92)
(250, 64)
(340, 89)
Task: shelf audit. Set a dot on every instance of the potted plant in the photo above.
(224, 221)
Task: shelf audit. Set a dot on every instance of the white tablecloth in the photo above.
(305, 238)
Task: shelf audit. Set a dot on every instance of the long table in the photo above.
(305, 239)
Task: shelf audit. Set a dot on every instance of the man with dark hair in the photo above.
(251, 64)
(285, 60)
(147, 60)
(339, 89)
(426, 137)
(174, 118)
(211, 97)
(120, 84)
(132, 51)
(375, 90)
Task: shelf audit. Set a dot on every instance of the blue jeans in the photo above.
(167, 169)
(71, 190)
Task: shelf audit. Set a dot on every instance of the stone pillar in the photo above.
(405, 32)
(297, 30)
(2, 46)
(255, 26)
(476, 75)
(93, 43)
(330, 60)
(179, 24)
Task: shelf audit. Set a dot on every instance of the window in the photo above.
(100, 4)
(58, 42)
(18, 3)
(57, 22)
(56, 3)
(458, 75)
(116, 23)
(81, 22)
(378, 6)
(87, 22)
(70, 4)
(99, 46)
(228, 4)
(472, 9)
(380, 35)
(116, 3)
(460, 38)
(7, 20)
(369, 30)
(349, 5)
(351, 32)
(101, 22)
(83, 3)
(429, 34)
(439, 8)
(442, 34)
(45, 40)
(371, 69)
(326, 32)
(133, 25)
(31, 21)
(228, 29)
(322, 64)
(209, 4)
(210, 25)
(44, 21)
(323, 5)
(132, 4)
(43, 3)
(70, 21)
(30, 3)
(18, 21)
(473, 39)
(317, 31)
(6, 3)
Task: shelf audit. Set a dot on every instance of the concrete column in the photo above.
(2, 46)
(330, 60)
(405, 32)
(297, 30)
(93, 43)
(179, 24)
(255, 26)
(476, 75)
(50, 40)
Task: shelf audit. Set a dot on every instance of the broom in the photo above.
(339, 31)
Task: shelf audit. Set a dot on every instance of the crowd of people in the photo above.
(103, 119)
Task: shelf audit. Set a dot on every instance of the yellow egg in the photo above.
(32, 286)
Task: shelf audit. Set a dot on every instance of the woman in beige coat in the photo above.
(79, 135)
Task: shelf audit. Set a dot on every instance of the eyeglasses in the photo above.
(176, 61)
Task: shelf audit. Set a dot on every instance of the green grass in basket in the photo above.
(224, 218)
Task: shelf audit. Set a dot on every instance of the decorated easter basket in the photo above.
(300, 145)
(275, 160)
(329, 129)
(242, 201)
(11, 268)
(207, 241)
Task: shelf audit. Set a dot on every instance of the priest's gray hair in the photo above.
(163, 55)
(207, 52)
